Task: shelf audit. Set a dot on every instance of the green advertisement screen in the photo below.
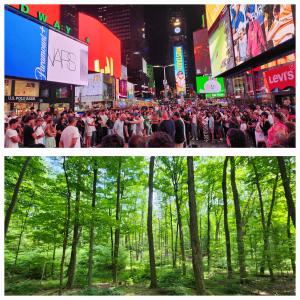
(211, 87)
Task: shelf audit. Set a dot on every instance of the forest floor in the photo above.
(217, 284)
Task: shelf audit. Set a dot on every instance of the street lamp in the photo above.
(165, 83)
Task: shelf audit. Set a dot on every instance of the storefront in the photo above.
(269, 83)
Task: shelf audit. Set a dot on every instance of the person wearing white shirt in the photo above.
(12, 138)
(119, 126)
(39, 131)
(70, 137)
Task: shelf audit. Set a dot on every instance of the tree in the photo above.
(287, 189)
(117, 231)
(226, 226)
(193, 225)
(72, 264)
(239, 223)
(14, 198)
(92, 235)
(153, 283)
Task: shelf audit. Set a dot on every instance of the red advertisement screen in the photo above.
(50, 12)
(104, 46)
(201, 52)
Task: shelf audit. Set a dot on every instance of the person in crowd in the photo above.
(179, 130)
(112, 141)
(70, 137)
(12, 138)
(167, 125)
(50, 134)
(236, 138)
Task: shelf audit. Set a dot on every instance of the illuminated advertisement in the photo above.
(27, 88)
(259, 27)
(130, 90)
(7, 87)
(123, 89)
(201, 52)
(220, 46)
(211, 87)
(179, 70)
(67, 60)
(25, 48)
(144, 65)
(124, 75)
(47, 13)
(281, 77)
(212, 13)
(104, 53)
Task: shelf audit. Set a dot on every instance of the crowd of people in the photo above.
(171, 125)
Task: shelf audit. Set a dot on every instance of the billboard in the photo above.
(7, 87)
(124, 75)
(212, 87)
(281, 77)
(201, 52)
(67, 60)
(259, 27)
(104, 47)
(150, 75)
(47, 13)
(212, 13)
(25, 44)
(220, 46)
(123, 89)
(130, 90)
(179, 70)
(27, 88)
(144, 65)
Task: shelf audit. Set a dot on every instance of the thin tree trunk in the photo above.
(287, 189)
(226, 226)
(92, 235)
(66, 228)
(291, 248)
(172, 238)
(193, 225)
(117, 230)
(153, 283)
(53, 255)
(239, 223)
(181, 237)
(14, 198)
(208, 233)
(72, 264)
(20, 235)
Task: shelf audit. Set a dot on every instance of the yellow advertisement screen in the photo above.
(212, 13)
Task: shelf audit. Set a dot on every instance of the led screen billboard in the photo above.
(67, 60)
(104, 47)
(201, 52)
(123, 89)
(47, 13)
(212, 13)
(220, 46)
(27, 88)
(25, 44)
(130, 90)
(259, 27)
(211, 87)
(179, 70)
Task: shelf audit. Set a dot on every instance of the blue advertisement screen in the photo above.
(26, 48)
(179, 70)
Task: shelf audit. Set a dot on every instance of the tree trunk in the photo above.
(92, 235)
(153, 283)
(291, 248)
(53, 256)
(239, 223)
(265, 253)
(21, 234)
(172, 238)
(72, 264)
(117, 230)
(66, 228)
(287, 188)
(226, 226)
(208, 232)
(181, 237)
(14, 198)
(193, 225)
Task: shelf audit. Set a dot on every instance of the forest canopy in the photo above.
(150, 225)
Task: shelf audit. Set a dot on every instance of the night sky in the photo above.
(156, 18)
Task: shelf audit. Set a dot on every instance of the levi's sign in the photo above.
(281, 77)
